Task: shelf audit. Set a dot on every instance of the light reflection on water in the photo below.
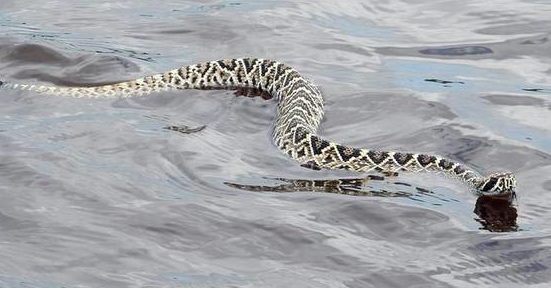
(98, 193)
(464, 97)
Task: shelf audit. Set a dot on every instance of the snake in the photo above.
(300, 109)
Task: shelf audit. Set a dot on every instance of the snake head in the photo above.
(497, 184)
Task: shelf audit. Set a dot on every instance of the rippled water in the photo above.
(96, 193)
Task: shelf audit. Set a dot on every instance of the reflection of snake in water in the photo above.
(300, 110)
(347, 186)
(495, 213)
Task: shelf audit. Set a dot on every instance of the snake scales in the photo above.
(300, 110)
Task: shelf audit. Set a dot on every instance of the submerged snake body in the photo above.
(300, 110)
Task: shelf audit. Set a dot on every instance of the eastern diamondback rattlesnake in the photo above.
(300, 110)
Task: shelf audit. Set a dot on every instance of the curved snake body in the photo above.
(300, 110)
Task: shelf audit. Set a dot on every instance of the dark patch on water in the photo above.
(457, 51)
(185, 129)
(497, 214)
(537, 90)
(42, 63)
(444, 82)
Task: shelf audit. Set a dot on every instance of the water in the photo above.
(96, 193)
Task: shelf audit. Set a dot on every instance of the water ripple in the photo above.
(98, 193)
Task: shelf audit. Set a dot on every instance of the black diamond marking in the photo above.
(281, 72)
(247, 65)
(290, 77)
(271, 72)
(263, 69)
(228, 66)
(445, 164)
(459, 170)
(299, 135)
(297, 83)
(269, 63)
(425, 160)
(377, 156)
(222, 64)
(402, 158)
(318, 145)
(238, 75)
(347, 153)
(234, 63)
(205, 69)
(489, 184)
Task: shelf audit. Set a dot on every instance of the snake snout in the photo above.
(498, 183)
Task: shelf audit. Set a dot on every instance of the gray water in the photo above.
(96, 193)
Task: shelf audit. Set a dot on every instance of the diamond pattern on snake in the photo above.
(299, 113)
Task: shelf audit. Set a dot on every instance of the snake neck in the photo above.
(315, 152)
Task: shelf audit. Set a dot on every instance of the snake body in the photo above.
(300, 110)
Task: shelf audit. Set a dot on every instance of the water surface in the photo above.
(96, 193)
